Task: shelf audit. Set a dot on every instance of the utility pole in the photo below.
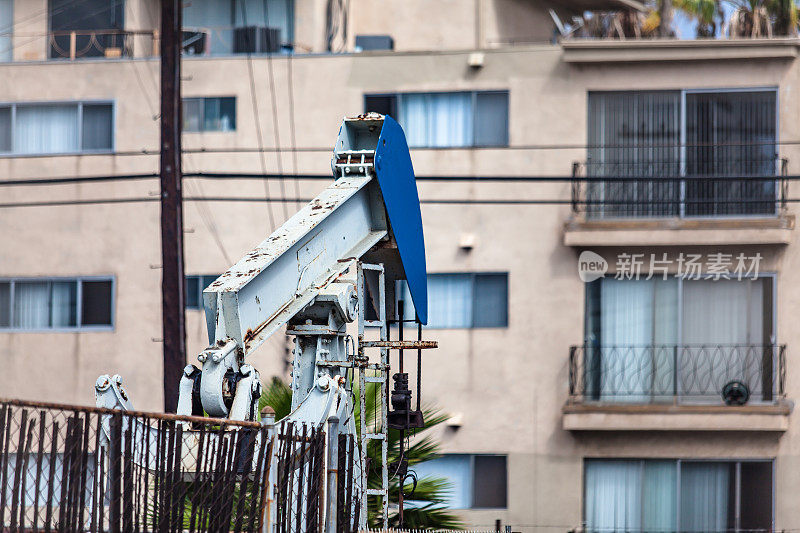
(172, 275)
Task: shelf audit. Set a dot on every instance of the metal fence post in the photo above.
(333, 473)
(268, 509)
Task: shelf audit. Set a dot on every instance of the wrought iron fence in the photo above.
(653, 189)
(78, 44)
(675, 373)
(64, 468)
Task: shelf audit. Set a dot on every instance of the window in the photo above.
(463, 300)
(447, 120)
(58, 303)
(56, 128)
(6, 30)
(476, 481)
(690, 337)
(222, 22)
(677, 495)
(728, 136)
(209, 114)
(195, 285)
(93, 22)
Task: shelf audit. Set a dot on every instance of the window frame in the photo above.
(78, 304)
(682, 136)
(201, 304)
(773, 294)
(736, 462)
(471, 461)
(474, 106)
(473, 275)
(48, 103)
(203, 99)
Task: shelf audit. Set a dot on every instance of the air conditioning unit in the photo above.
(367, 43)
(256, 40)
(193, 43)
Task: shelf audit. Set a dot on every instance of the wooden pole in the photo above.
(172, 274)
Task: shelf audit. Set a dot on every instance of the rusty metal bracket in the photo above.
(401, 345)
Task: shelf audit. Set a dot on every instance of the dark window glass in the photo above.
(5, 129)
(84, 17)
(97, 130)
(5, 304)
(756, 497)
(490, 301)
(491, 119)
(96, 303)
(192, 292)
(489, 482)
(385, 104)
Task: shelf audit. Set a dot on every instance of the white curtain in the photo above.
(722, 312)
(6, 29)
(660, 496)
(716, 315)
(704, 497)
(449, 301)
(31, 304)
(612, 499)
(63, 304)
(626, 329)
(43, 129)
(437, 119)
(639, 320)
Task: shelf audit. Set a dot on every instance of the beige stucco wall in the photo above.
(509, 384)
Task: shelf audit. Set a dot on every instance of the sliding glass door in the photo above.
(678, 339)
(657, 495)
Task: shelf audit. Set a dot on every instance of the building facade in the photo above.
(657, 397)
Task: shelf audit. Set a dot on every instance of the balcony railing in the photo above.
(677, 373)
(100, 43)
(657, 189)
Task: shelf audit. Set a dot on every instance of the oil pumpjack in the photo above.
(324, 268)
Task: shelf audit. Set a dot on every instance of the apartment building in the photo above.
(657, 397)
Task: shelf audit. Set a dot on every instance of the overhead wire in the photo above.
(292, 135)
(257, 118)
(275, 126)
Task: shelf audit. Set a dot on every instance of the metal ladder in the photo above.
(362, 363)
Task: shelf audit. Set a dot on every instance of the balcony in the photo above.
(732, 387)
(101, 43)
(651, 203)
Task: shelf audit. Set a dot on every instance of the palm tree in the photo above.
(707, 13)
(763, 18)
(430, 496)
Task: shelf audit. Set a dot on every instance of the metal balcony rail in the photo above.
(81, 44)
(676, 373)
(65, 468)
(658, 189)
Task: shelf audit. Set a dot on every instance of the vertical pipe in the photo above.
(172, 273)
(333, 474)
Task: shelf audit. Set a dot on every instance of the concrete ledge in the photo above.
(676, 231)
(639, 50)
(615, 417)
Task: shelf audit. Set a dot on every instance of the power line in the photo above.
(445, 178)
(275, 128)
(432, 201)
(292, 136)
(257, 119)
